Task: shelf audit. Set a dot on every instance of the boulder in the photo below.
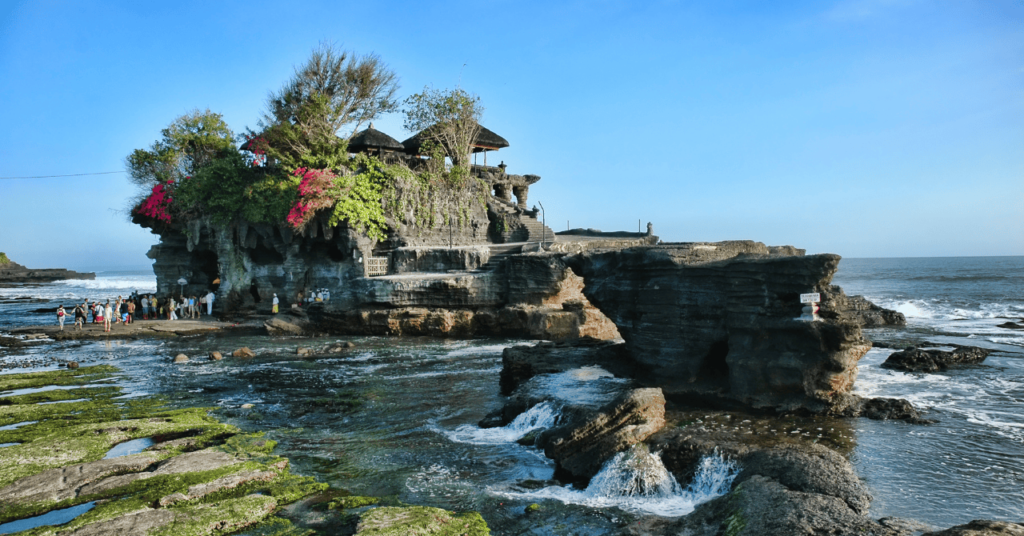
(216, 356)
(303, 351)
(810, 468)
(72, 364)
(280, 326)
(581, 447)
(1010, 325)
(181, 358)
(760, 506)
(934, 360)
(244, 352)
(982, 528)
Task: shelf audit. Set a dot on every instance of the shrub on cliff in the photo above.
(3, 259)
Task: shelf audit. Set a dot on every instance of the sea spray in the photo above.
(539, 417)
(637, 480)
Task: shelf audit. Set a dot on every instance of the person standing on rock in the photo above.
(108, 311)
(60, 317)
(195, 307)
(210, 296)
(145, 308)
(170, 307)
(131, 313)
(79, 317)
(276, 302)
(154, 302)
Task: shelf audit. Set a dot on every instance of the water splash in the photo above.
(539, 417)
(636, 480)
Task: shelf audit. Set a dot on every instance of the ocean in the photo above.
(397, 417)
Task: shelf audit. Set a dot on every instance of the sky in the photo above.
(867, 128)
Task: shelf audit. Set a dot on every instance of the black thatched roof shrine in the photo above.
(485, 140)
(372, 138)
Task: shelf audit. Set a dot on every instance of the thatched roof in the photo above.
(372, 138)
(485, 140)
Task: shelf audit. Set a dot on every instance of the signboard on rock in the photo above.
(813, 297)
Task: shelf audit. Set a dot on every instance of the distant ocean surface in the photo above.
(967, 466)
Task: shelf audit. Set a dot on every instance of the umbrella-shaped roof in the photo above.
(372, 138)
(485, 140)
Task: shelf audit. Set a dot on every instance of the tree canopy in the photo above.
(188, 144)
(333, 90)
(448, 118)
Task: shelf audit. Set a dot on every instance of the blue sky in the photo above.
(868, 128)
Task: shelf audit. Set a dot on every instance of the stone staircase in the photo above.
(499, 253)
(538, 231)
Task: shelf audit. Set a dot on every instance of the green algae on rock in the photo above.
(412, 520)
(201, 477)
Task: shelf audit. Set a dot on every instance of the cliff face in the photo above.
(718, 321)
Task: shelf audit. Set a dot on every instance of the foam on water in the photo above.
(586, 386)
(539, 417)
(637, 481)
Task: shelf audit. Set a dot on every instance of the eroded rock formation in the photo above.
(719, 322)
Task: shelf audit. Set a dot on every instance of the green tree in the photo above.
(187, 145)
(333, 90)
(448, 118)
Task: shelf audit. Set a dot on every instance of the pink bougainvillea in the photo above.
(156, 204)
(258, 148)
(316, 191)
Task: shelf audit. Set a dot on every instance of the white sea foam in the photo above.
(539, 417)
(581, 386)
(637, 481)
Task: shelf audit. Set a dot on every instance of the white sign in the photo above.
(814, 297)
(182, 281)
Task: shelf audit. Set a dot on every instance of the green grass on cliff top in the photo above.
(4, 259)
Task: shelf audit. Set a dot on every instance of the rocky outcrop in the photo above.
(836, 304)
(12, 272)
(582, 446)
(762, 505)
(785, 485)
(718, 322)
(934, 360)
(982, 528)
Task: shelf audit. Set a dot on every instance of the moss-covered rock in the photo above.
(420, 520)
(202, 477)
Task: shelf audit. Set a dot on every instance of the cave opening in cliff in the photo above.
(209, 267)
(261, 254)
(714, 368)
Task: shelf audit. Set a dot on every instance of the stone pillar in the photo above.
(501, 191)
(521, 192)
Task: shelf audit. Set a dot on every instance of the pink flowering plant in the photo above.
(354, 199)
(158, 203)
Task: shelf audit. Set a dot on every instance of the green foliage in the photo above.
(228, 189)
(449, 118)
(189, 143)
(3, 259)
(333, 89)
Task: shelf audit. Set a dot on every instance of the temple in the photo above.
(464, 236)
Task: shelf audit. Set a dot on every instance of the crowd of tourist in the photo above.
(137, 307)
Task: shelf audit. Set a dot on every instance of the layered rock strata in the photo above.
(719, 322)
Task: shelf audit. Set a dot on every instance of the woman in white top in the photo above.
(108, 311)
(173, 306)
